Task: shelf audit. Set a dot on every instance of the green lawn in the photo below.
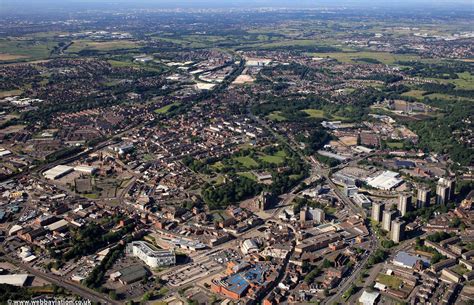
(461, 270)
(248, 175)
(276, 116)
(91, 196)
(418, 94)
(446, 97)
(280, 153)
(315, 113)
(10, 93)
(79, 45)
(121, 64)
(389, 281)
(396, 145)
(289, 43)
(465, 81)
(220, 180)
(217, 165)
(246, 161)
(277, 158)
(166, 108)
(384, 57)
(12, 50)
(272, 159)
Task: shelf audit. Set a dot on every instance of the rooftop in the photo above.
(150, 250)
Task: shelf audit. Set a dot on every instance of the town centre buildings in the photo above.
(150, 255)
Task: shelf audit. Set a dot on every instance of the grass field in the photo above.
(273, 159)
(465, 81)
(277, 158)
(7, 57)
(10, 93)
(131, 64)
(91, 196)
(384, 57)
(315, 113)
(280, 153)
(248, 175)
(396, 145)
(11, 50)
(217, 165)
(79, 45)
(418, 94)
(246, 161)
(166, 108)
(289, 43)
(219, 180)
(276, 116)
(122, 64)
(389, 281)
(446, 97)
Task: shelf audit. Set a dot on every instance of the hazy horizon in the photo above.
(61, 4)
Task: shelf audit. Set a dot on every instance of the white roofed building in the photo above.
(150, 255)
(14, 279)
(385, 181)
(58, 172)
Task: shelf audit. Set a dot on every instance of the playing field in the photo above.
(10, 93)
(315, 113)
(246, 161)
(79, 45)
(383, 57)
(276, 116)
(418, 94)
(248, 175)
(275, 159)
(166, 108)
(16, 49)
(389, 281)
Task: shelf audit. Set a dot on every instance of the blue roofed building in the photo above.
(407, 260)
(404, 164)
(250, 281)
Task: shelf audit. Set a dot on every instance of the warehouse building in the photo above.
(18, 280)
(85, 169)
(58, 172)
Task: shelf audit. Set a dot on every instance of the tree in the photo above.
(147, 296)
(388, 244)
(113, 295)
(327, 263)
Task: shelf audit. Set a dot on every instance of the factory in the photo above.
(85, 169)
(57, 172)
(18, 280)
(60, 171)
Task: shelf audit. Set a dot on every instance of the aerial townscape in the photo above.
(236, 152)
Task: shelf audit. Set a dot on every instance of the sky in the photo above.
(226, 3)
(123, 4)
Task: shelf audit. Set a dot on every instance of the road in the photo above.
(82, 291)
(283, 271)
(317, 169)
(348, 281)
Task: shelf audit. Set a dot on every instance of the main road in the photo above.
(316, 168)
(78, 289)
